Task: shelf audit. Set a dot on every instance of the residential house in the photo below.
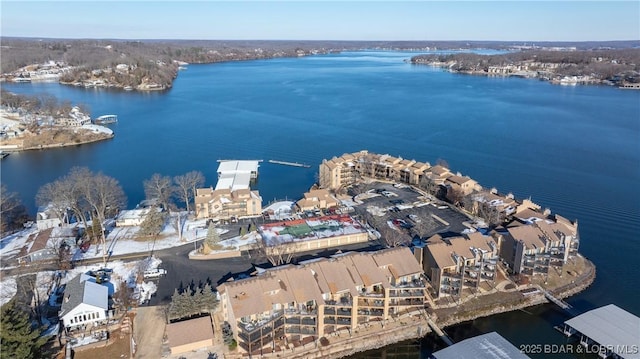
(84, 303)
(133, 217)
(37, 248)
(297, 304)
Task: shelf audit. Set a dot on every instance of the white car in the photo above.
(155, 273)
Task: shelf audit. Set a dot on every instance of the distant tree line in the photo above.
(96, 54)
(42, 104)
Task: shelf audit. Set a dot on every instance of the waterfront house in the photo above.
(134, 217)
(74, 119)
(454, 264)
(37, 248)
(84, 303)
(294, 305)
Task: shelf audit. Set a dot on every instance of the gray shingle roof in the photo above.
(80, 290)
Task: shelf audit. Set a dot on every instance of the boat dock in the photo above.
(294, 164)
(105, 119)
(560, 303)
(445, 338)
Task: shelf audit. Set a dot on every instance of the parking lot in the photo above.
(408, 210)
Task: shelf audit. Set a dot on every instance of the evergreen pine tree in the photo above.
(212, 236)
(18, 338)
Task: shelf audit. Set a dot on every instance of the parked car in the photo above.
(155, 273)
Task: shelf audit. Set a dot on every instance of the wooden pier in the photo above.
(294, 164)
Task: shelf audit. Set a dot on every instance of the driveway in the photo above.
(148, 331)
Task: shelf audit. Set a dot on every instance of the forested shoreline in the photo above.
(154, 64)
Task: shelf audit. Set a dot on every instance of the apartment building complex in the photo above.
(232, 196)
(462, 262)
(532, 248)
(340, 172)
(297, 304)
(227, 203)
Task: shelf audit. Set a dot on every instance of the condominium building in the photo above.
(343, 171)
(227, 203)
(457, 263)
(532, 248)
(298, 304)
(316, 199)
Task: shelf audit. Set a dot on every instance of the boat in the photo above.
(630, 86)
(294, 164)
(3, 154)
(104, 119)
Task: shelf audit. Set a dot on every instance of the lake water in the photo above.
(575, 150)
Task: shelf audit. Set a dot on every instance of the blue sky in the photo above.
(325, 20)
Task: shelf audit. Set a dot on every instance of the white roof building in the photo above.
(84, 302)
(613, 328)
(235, 175)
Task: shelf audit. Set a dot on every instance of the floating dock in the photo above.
(285, 163)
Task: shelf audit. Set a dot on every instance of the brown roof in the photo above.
(442, 252)
(399, 261)
(530, 235)
(190, 331)
(439, 170)
(40, 242)
(458, 179)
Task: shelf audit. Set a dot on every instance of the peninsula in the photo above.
(382, 249)
(29, 123)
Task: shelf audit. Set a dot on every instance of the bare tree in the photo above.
(393, 237)
(106, 198)
(10, 208)
(187, 185)
(65, 193)
(159, 187)
(454, 195)
(278, 252)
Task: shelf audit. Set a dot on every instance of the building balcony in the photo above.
(343, 302)
(415, 283)
(452, 276)
(370, 302)
(301, 321)
(406, 302)
(371, 312)
(407, 293)
(300, 330)
(339, 320)
(255, 327)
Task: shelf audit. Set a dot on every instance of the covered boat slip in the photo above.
(610, 328)
(486, 346)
